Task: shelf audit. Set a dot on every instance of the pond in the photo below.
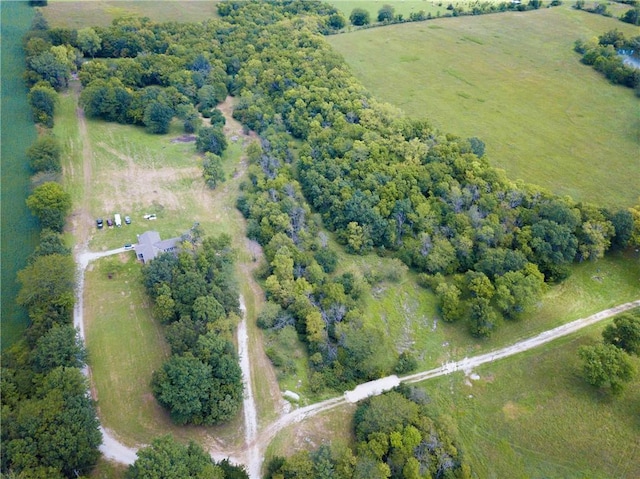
(19, 230)
(629, 58)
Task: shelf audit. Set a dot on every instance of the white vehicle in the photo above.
(117, 220)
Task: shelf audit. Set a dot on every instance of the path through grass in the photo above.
(534, 416)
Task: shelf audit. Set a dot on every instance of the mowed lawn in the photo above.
(534, 416)
(514, 81)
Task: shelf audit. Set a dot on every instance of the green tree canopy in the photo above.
(43, 99)
(385, 14)
(60, 346)
(157, 117)
(50, 204)
(606, 365)
(213, 172)
(55, 430)
(44, 154)
(211, 139)
(359, 17)
(48, 284)
(89, 41)
(166, 458)
(624, 333)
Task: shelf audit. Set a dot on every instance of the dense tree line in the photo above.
(603, 55)
(396, 438)
(49, 423)
(196, 297)
(360, 17)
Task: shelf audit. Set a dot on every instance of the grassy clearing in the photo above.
(108, 470)
(534, 416)
(136, 173)
(514, 81)
(80, 14)
(66, 130)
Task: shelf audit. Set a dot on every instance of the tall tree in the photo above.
(51, 204)
(166, 458)
(211, 139)
(44, 154)
(606, 365)
(42, 99)
(89, 41)
(624, 333)
(385, 14)
(359, 17)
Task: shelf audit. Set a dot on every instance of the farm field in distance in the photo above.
(79, 14)
(514, 81)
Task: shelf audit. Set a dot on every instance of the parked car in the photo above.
(127, 220)
(99, 223)
(128, 246)
(150, 217)
(110, 223)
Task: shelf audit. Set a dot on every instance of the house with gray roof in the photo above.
(150, 245)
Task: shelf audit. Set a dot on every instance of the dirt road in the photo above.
(252, 457)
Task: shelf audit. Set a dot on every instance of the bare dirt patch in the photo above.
(232, 126)
(184, 139)
(512, 411)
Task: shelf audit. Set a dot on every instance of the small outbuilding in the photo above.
(150, 245)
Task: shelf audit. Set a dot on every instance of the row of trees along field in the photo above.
(196, 296)
(395, 438)
(486, 244)
(49, 424)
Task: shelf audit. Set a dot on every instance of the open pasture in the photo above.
(514, 81)
(534, 416)
(80, 14)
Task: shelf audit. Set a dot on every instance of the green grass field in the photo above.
(83, 13)
(19, 229)
(514, 81)
(534, 416)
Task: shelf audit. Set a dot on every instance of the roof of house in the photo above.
(150, 245)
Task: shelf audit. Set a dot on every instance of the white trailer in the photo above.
(117, 220)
